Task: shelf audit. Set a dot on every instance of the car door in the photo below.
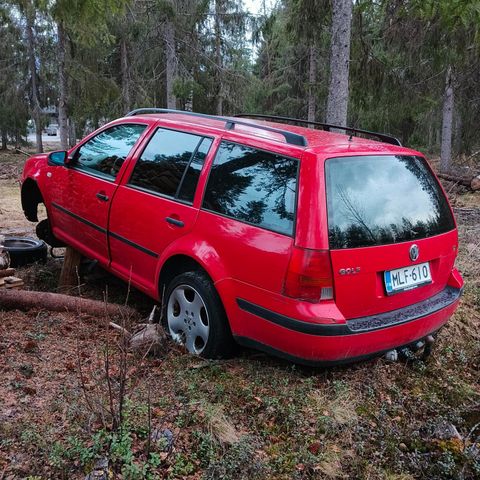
(154, 205)
(84, 189)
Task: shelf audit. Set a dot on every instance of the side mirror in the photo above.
(58, 158)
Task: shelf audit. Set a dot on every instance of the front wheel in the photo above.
(193, 316)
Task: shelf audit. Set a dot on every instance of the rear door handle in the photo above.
(101, 196)
(174, 221)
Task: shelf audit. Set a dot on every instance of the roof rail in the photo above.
(290, 137)
(384, 137)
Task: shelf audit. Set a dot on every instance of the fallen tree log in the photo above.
(455, 178)
(56, 302)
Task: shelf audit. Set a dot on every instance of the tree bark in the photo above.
(56, 302)
(312, 80)
(125, 67)
(62, 87)
(35, 102)
(171, 66)
(447, 123)
(4, 141)
(72, 133)
(218, 58)
(337, 102)
(458, 131)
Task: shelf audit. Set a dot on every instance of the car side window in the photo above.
(192, 174)
(253, 186)
(171, 163)
(105, 153)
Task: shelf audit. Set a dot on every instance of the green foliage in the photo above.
(116, 58)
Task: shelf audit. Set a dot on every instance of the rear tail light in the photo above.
(309, 276)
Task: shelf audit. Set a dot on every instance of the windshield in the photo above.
(378, 200)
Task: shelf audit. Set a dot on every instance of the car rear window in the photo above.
(253, 186)
(378, 200)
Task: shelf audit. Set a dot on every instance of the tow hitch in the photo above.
(419, 350)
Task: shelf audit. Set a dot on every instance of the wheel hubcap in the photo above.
(187, 318)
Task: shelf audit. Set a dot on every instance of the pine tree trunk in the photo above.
(337, 102)
(312, 80)
(4, 140)
(125, 76)
(218, 58)
(35, 103)
(447, 123)
(458, 132)
(62, 88)
(171, 63)
(72, 133)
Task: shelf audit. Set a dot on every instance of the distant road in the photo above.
(31, 138)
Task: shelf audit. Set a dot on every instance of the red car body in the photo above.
(127, 230)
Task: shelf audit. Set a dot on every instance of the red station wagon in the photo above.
(316, 246)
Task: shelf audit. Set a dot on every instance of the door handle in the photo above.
(101, 196)
(174, 221)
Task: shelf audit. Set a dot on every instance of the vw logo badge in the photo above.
(414, 252)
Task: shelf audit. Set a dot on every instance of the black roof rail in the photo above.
(290, 137)
(384, 137)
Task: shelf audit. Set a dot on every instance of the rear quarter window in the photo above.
(379, 200)
(253, 186)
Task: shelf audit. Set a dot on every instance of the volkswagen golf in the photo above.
(321, 245)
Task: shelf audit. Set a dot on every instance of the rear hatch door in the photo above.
(392, 235)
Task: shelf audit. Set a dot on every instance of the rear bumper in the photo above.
(357, 339)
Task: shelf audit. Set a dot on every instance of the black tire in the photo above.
(220, 343)
(25, 250)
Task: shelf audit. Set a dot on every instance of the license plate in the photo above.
(406, 278)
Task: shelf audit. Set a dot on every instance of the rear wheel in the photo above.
(193, 316)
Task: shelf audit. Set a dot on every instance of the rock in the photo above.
(444, 430)
(475, 183)
(403, 447)
(100, 470)
(164, 435)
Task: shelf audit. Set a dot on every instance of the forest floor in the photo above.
(251, 417)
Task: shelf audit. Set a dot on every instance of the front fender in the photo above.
(33, 167)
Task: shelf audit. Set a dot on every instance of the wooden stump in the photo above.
(69, 276)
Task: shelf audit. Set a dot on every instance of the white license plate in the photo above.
(407, 278)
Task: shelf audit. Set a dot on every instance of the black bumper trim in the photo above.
(441, 300)
(324, 330)
(431, 305)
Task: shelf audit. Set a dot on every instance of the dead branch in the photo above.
(148, 337)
